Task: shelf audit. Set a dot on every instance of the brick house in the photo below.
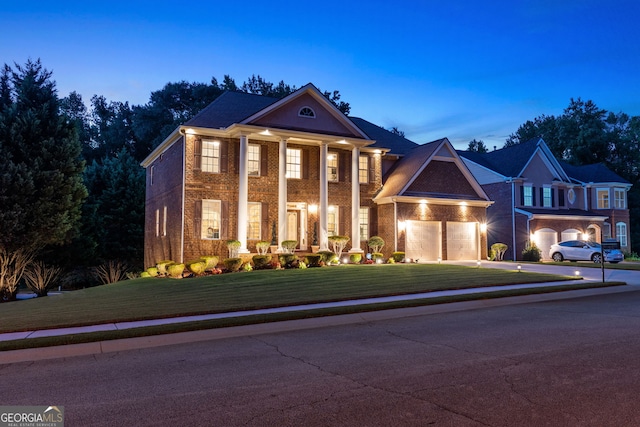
(542, 200)
(252, 168)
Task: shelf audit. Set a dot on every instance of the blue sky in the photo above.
(462, 70)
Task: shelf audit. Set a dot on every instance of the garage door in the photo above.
(424, 240)
(544, 239)
(462, 241)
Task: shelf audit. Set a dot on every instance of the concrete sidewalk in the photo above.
(165, 321)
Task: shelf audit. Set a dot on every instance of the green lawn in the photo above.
(158, 298)
(625, 265)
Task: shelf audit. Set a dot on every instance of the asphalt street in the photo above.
(567, 362)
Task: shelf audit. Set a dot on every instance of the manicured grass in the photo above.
(160, 298)
(624, 265)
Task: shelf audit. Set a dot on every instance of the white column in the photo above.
(243, 194)
(324, 198)
(355, 200)
(282, 193)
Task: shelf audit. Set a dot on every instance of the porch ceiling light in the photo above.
(190, 131)
(265, 132)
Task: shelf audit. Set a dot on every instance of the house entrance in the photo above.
(297, 224)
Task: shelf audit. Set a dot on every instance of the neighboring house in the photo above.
(539, 199)
(253, 168)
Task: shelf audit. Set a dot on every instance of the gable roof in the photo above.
(384, 139)
(230, 108)
(508, 161)
(596, 172)
(408, 169)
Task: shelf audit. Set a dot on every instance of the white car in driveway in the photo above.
(581, 250)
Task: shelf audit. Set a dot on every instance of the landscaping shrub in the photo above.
(145, 274)
(151, 271)
(233, 246)
(355, 258)
(376, 243)
(262, 247)
(288, 260)
(197, 267)
(313, 260)
(40, 277)
(301, 265)
(246, 267)
(531, 253)
(175, 270)
(211, 262)
(327, 256)
(289, 246)
(162, 267)
(398, 256)
(377, 257)
(111, 272)
(232, 264)
(261, 262)
(498, 250)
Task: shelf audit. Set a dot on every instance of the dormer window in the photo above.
(307, 112)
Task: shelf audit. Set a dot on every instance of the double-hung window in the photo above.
(294, 163)
(527, 198)
(363, 169)
(332, 220)
(619, 198)
(602, 196)
(211, 156)
(253, 160)
(332, 167)
(547, 199)
(364, 223)
(253, 224)
(211, 215)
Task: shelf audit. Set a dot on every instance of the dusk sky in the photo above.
(457, 69)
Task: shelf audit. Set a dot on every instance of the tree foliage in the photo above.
(41, 188)
(477, 146)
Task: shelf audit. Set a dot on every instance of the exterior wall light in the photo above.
(313, 208)
(483, 227)
(402, 226)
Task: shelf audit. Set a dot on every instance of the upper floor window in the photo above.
(211, 156)
(307, 112)
(210, 224)
(332, 220)
(363, 169)
(151, 171)
(157, 222)
(527, 195)
(364, 223)
(547, 197)
(253, 158)
(621, 233)
(254, 219)
(332, 167)
(602, 195)
(619, 198)
(294, 163)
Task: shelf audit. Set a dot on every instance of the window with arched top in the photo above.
(307, 112)
(621, 233)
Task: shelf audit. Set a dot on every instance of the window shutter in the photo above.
(197, 219)
(533, 196)
(373, 221)
(372, 169)
(522, 195)
(553, 202)
(265, 231)
(343, 161)
(561, 197)
(224, 157)
(236, 159)
(342, 219)
(264, 160)
(541, 196)
(305, 163)
(197, 154)
(224, 226)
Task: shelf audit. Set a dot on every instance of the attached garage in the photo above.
(462, 241)
(544, 239)
(424, 240)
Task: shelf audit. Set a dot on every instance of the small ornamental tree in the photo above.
(338, 243)
(262, 247)
(498, 250)
(233, 246)
(289, 246)
(376, 243)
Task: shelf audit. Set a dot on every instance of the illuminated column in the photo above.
(355, 200)
(282, 193)
(243, 194)
(324, 198)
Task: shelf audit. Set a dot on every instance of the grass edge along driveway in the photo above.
(142, 299)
